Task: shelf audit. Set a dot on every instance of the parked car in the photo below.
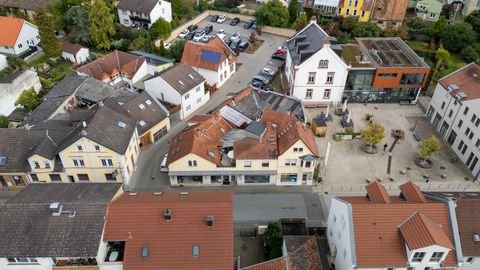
(199, 35)
(278, 56)
(235, 36)
(235, 21)
(192, 28)
(221, 19)
(234, 45)
(280, 50)
(208, 29)
(261, 78)
(183, 33)
(257, 85)
(214, 18)
(228, 42)
(167, 45)
(249, 24)
(268, 71)
(243, 46)
(206, 38)
(163, 163)
(190, 36)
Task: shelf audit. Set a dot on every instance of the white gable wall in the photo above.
(160, 89)
(162, 10)
(193, 100)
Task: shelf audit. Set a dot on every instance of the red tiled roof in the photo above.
(468, 219)
(199, 140)
(376, 193)
(192, 54)
(467, 79)
(265, 148)
(412, 192)
(289, 131)
(10, 29)
(112, 63)
(138, 220)
(390, 10)
(70, 47)
(275, 264)
(419, 231)
(198, 118)
(378, 241)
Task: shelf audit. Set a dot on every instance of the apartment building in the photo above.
(358, 9)
(143, 13)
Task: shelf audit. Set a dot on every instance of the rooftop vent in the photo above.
(157, 193)
(121, 124)
(476, 238)
(142, 123)
(167, 214)
(132, 194)
(148, 102)
(184, 193)
(54, 205)
(191, 76)
(210, 220)
(180, 82)
(141, 106)
(452, 87)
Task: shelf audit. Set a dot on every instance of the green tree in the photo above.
(28, 99)
(273, 13)
(77, 22)
(176, 51)
(366, 29)
(429, 147)
(273, 239)
(293, 7)
(15, 62)
(44, 22)
(142, 41)
(437, 28)
(457, 36)
(175, 22)
(469, 54)
(441, 55)
(182, 8)
(47, 84)
(348, 24)
(474, 20)
(3, 121)
(202, 5)
(160, 29)
(300, 22)
(102, 24)
(59, 9)
(373, 134)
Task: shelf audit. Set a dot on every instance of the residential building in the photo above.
(455, 113)
(3, 61)
(314, 69)
(169, 230)
(358, 9)
(298, 252)
(429, 10)
(143, 13)
(56, 226)
(74, 52)
(383, 70)
(231, 148)
(379, 231)
(17, 116)
(327, 8)
(116, 68)
(21, 9)
(12, 86)
(18, 35)
(155, 63)
(179, 85)
(215, 61)
(389, 13)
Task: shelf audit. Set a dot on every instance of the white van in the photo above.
(163, 164)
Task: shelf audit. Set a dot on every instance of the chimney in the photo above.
(167, 214)
(210, 221)
(313, 19)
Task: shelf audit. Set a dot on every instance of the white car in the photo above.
(167, 45)
(198, 36)
(221, 19)
(268, 71)
(235, 36)
(206, 38)
(183, 33)
(163, 164)
(221, 32)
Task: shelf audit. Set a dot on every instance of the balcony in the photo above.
(83, 264)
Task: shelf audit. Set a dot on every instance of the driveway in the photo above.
(147, 176)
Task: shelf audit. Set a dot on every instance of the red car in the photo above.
(281, 50)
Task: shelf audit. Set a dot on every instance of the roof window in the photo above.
(148, 102)
(3, 160)
(121, 124)
(142, 123)
(195, 250)
(180, 82)
(141, 106)
(191, 76)
(145, 251)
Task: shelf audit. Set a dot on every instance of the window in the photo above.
(192, 163)
(388, 75)
(308, 164)
(326, 94)
(187, 96)
(355, 12)
(474, 117)
(141, 106)
(198, 89)
(450, 114)
(452, 137)
(97, 147)
(247, 163)
(467, 131)
(79, 147)
(106, 162)
(199, 100)
(363, 13)
(330, 76)
(356, 3)
(311, 77)
(477, 144)
(195, 250)
(432, 15)
(290, 162)
(466, 111)
(83, 177)
(20, 45)
(348, 12)
(308, 94)
(460, 123)
(323, 64)
(22, 260)
(55, 177)
(78, 163)
(340, 11)
(436, 256)
(299, 149)
(418, 256)
(34, 177)
(188, 108)
(464, 149)
(470, 136)
(36, 165)
(470, 259)
(47, 164)
(109, 177)
(477, 123)
(125, 21)
(460, 145)
(265, 164)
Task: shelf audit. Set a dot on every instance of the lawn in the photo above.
(60, 70)
(40, 60)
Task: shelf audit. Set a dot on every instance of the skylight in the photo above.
(145, 251)
(141, 106)
(3, 160)
(121, 124)
(142, 123)
(191, 76)
(180, 82)
(148, 102)
(195, 250)
(210, 153)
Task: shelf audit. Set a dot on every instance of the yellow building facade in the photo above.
(356, 8)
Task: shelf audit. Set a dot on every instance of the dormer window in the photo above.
(418, 257)
(436, 256)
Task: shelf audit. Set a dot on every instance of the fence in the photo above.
(394, 187)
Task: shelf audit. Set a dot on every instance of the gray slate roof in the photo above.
(93, 91)
(152, 112)
(28, 229)
(182, 77)
(143, 6)
(24, 4)
(16, 145)
(18, 115)
(152, 59)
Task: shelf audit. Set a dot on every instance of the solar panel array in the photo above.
(212, 57)
(391, 52)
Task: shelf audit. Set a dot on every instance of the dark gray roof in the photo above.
(143, 6)
(93, 91)
(151, 114)
(24, 4)
(152, 59)
(182, 77)
(54, 98)
(256, 127)
(16, 145)
(307, 42)
(28, 229)
(18, 115)
(54, 132)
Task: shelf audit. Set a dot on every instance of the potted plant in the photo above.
(373, 134)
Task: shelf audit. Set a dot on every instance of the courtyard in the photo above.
(349, 168)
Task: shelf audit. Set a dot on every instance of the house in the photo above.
(298, 252)
(383, 70)
(327, 8)
(12, 86)
(18, 35)
(179, 85)
(56, 226)
(143, 13)
(3, 61)
(358, 9)
(454, 112)
(17, 116)
(74, 52)
(116, 68)
(155, 63)
(215, 61)
(313, 67)
(379, 231)
(21, 9)
(389, 13)
(169, 230)
(429, 10)
(231, 148)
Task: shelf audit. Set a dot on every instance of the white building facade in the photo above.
(80, 57)
(12, 88)
(143, 13)
(3, 62)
